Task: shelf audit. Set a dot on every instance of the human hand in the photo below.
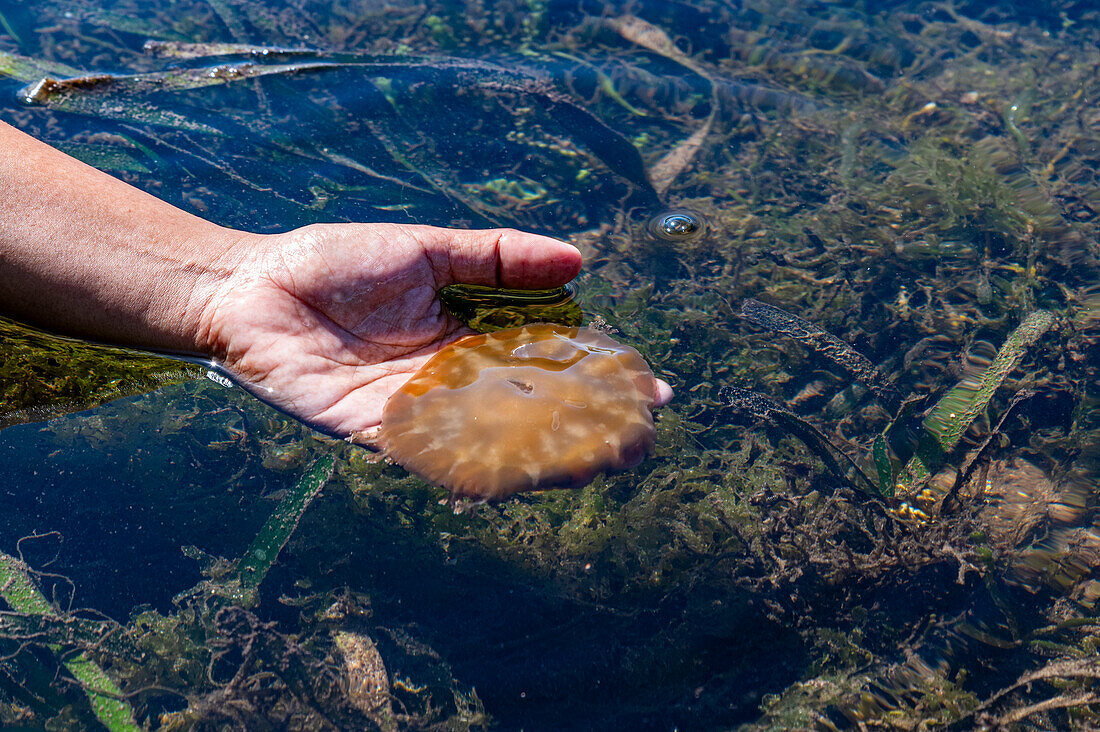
(327, 321)
(324, 322)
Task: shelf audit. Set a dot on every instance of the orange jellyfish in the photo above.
(541, 406)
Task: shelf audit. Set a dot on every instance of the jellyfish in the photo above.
(530, 408)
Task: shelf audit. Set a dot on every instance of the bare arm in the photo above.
(324, 322)
(85, 254)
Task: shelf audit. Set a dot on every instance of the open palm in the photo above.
(327, 321)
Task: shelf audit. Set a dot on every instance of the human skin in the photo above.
(324, 322)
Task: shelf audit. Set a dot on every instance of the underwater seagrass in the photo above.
(541, 406)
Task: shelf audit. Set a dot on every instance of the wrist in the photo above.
(203, 273)
(85, 254)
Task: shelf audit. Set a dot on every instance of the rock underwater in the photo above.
(529, 408)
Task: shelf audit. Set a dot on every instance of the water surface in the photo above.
(916, 179)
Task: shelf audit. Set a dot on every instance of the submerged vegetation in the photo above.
(873, 499)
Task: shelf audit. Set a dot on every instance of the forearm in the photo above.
(85, 254)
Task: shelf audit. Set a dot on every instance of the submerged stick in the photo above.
(19, 591)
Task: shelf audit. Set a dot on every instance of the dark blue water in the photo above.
(124, 491)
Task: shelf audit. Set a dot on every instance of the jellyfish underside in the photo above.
(542, 406)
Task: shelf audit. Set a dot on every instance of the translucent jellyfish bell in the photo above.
(531, 408)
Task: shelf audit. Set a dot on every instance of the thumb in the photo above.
(498, 257)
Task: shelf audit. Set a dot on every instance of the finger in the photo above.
(499, 257)
(663, 393)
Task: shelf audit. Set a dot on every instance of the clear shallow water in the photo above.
(914, 180)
